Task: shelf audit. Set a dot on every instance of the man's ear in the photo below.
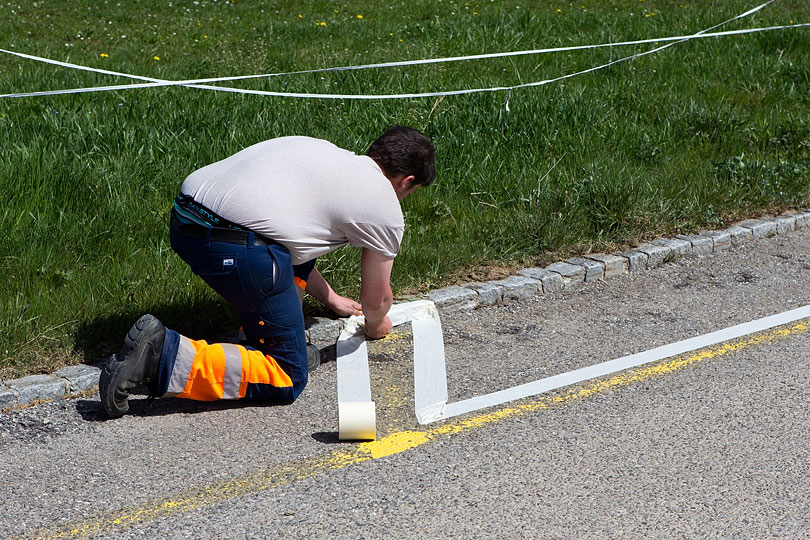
(407, 181)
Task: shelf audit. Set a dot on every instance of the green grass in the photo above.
(694, 136)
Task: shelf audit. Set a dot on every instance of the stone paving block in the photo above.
(680, 248)
(803, 220)
(322, 331)
(36, 387)
(567, 270)
(636, 260)
(720, 239)
(760, 228)
(82, 377)
(453, 298)
(489, 293)
(656, 255)
(614, 265)
(8, 397)
(517, 287)
(739, 235)
(701, 245)
(551, 281)
(785, 224)
(573, 275)
(594, 270)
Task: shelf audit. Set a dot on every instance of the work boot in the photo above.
(135, 365)
(313, 357)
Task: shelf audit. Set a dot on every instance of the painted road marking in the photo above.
(611, 366)
(395, 443)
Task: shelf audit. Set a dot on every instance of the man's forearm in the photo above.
(375, 292)
(318, 287)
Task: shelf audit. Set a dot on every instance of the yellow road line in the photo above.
(395, 443)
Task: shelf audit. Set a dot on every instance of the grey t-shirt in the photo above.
(306, 194)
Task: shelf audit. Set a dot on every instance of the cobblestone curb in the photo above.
(570, 274)
(67, 381)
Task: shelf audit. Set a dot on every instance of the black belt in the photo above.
(230, 236)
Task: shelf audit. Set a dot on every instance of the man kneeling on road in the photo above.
(251, 226)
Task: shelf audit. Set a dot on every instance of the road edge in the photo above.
(568, 275)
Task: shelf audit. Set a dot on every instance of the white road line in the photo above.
(430, 377)
(619, 364)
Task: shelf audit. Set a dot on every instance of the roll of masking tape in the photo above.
(357, 421)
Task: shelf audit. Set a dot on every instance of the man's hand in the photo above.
(344, 307)
(321, 290)
(379, 331)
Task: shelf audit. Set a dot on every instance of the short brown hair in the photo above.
(403, 150)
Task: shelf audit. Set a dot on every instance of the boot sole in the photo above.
(107, 387)
(111, 380)
(313, 357)
(137, 330)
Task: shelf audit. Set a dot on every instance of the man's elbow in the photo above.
(377, 300)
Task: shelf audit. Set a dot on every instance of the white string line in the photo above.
(195, 82)
(160, 82)
(400, 63)
(164, 82)
(77, 66)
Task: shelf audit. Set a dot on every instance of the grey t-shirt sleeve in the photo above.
(384, 239)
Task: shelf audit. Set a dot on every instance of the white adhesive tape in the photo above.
(356, 414)
(430, 382)
(357, 421)
(619, 364)
(429, 373)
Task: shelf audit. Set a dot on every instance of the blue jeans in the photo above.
(257, 280)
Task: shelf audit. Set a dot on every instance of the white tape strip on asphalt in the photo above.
(356, 412)
(430, 379)
(619, 364)
(429, 373)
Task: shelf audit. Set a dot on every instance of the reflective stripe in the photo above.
(302, 284)
(208, 372)
(233, 371)
(182, 367)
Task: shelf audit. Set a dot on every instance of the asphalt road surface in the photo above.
(711, 444)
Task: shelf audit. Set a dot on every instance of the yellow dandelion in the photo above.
(559, 11)
(300, 16)
(156, 57)
(336, 11)
(199, 24)
(359, 16)
(105, 55)
(205, 37)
